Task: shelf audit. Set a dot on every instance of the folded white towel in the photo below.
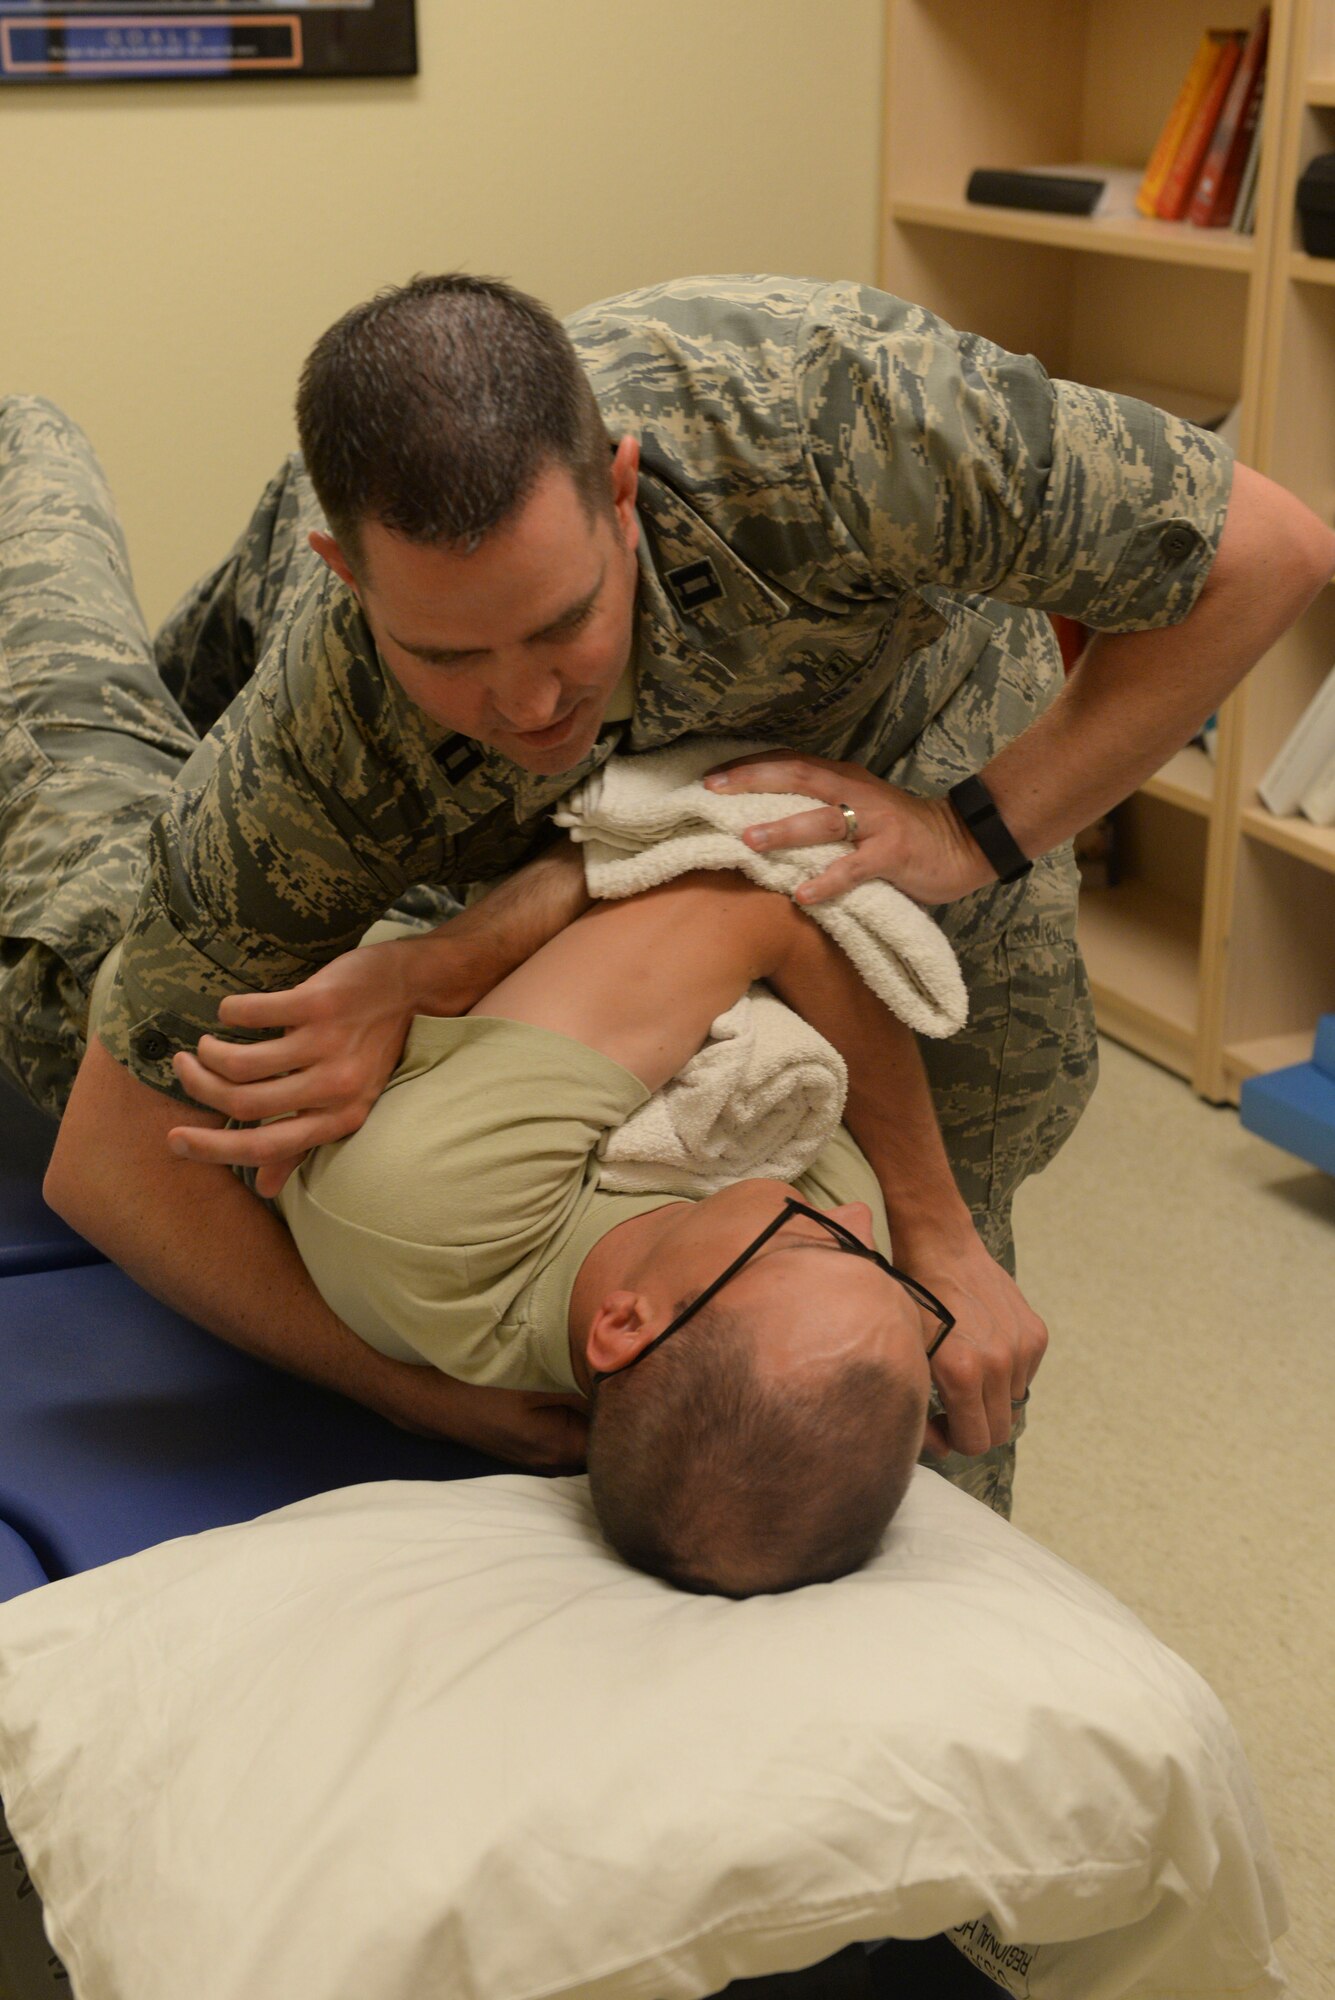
(757, 1102)
(645, 820)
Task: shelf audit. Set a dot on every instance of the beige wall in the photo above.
(171, 251)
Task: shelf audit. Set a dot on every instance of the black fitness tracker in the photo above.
(977, 808)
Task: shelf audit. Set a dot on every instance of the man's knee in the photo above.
(990, 1477)
(52, 484)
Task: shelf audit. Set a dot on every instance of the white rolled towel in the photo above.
(645, 820)
(757, 1102)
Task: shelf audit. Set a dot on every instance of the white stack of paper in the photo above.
(1308, 749)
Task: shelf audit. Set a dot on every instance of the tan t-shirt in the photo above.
(451, 1228)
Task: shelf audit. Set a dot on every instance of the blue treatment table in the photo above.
(19, 1567)
(122, 1425)
(32, 1237)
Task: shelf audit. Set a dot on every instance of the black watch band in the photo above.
(977, 808)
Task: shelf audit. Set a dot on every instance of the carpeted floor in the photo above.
(1180, 1442)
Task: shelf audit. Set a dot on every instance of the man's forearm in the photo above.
(1137, 697)
(497, 933)
(984, 1370)
(889, 1110)
(195, 1236)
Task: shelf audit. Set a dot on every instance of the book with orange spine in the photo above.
(1211, 204)
(1194, 86)
(1176, 191)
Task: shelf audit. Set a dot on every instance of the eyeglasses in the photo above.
(846, 1241)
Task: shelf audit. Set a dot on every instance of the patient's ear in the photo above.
(621, 1326)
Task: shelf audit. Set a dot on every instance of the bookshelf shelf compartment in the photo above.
(1292, 835)
(1186, 780)
(1142, 948)
(1111, 235)
(1311, 270)
(1263, 1054)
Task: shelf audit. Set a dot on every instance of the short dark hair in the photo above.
(702, 1473)
(435, 406)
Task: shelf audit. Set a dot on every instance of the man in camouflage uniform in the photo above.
(849, 520)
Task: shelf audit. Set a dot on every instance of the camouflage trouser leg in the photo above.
(90, 742)
(210, 644)
(1010, 1086)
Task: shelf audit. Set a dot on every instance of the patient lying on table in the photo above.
(748, 1438)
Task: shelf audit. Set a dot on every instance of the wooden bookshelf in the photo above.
(1106, 235)
(1186, 780)
(1305, 270)
(1217, 951)
(1142, 953)
(1295, 835)
(1279, 970)
(1267, 1052)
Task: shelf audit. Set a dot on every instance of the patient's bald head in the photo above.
(712, 1468)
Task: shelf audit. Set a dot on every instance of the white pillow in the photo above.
(413, 1739)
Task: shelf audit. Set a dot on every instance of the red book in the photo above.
(1072, 637)
(1176, 192)
(1211, 205)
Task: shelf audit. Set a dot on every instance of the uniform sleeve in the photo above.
(948, 461)
(294, 825)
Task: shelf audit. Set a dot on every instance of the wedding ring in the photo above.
(850, 824)
(1023, 1400)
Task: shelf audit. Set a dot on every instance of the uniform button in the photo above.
(1176, 544)
(153, 1046)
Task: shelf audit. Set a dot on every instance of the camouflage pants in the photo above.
(94, 728)
(90, 742)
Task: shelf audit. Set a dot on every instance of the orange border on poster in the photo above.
(177, 66)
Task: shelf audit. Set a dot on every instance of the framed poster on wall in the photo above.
(143, 41)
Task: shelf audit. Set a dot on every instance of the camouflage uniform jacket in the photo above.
(850, 514)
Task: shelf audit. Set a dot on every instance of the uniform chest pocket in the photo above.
(808, 681)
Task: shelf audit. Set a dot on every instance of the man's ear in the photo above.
(625, 487)
(623, 1324)
(329, 551)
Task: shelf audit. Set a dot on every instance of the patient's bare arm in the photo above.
(641, 980)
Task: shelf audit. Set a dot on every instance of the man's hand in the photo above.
(539, 1431)
(342, 1032)
(917, 844)
(984, 1368)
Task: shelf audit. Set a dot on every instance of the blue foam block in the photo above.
(32, 1237)
(19, 1567)
(1293, 1108)
(121, 1425)
(1323, 1053)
